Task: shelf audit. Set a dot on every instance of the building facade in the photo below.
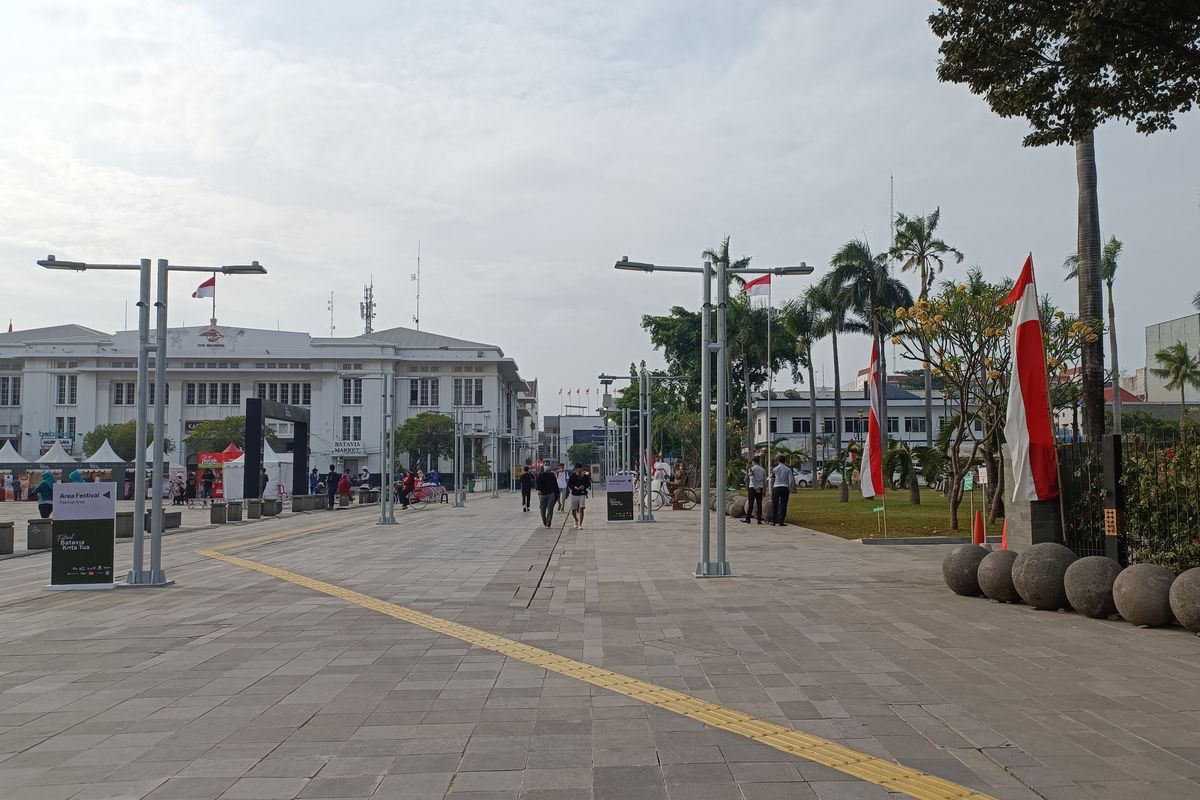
(1161, 336)
(58, 383)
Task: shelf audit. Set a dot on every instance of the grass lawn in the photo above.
(820, 510)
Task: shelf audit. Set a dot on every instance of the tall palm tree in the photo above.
(832, 298)
(801, 321)
(1091, 295)
(720, 254)
(1196, 301)
(919, 250)
(1108, 273)
(1180, 369)
(747, 342)
(874, 295)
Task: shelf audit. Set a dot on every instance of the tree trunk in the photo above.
(812, 418)
(956, 498)
(1116, 369)
(928, 396)
(1091, 296)
(914, 487)
(837, 416)
(883, 403)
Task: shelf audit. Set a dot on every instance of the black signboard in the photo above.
(619, 498)
(83, 534)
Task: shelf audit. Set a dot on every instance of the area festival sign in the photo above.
(83, 536)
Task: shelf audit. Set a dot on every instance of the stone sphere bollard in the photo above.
(1185, 599)
(1038, 574)
(960, 569)
(1089, 585)
(768, 508)
(737, 507)
(995, 576)
(1143, 595)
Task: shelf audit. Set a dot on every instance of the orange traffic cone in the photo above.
(977, 529)
(1004, 536)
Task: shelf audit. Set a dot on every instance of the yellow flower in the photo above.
(993, 373)
(895, 340)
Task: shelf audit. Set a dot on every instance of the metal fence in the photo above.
(1161, 486)
(1081, 481)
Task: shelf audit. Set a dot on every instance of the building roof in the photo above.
(55, 333)
(893, 393)
(407, 337)
(1126, 396)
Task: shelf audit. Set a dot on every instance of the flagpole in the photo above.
(770, 377)
(214, 299)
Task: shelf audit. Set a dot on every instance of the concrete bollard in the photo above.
(233, 511)
(217, 514)
(253, 508)
(6, 537)
(124, 528)
(38, 535)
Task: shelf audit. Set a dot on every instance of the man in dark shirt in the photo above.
(331, 482)
(578, 486)
(547, 486)
(526, 481)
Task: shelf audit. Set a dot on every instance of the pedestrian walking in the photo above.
(781, 487)
(756, 487)
(547, 486)
(579, 484)
(526, 481)
(331, 482)
(44, 492)
(262, 482)
(560, 478)
(314, 478)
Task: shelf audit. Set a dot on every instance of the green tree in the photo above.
(1108, 274)
(918, 249)
(874, 295)
(429, 436)
(585, 453)
(720, 255)
(1196, 301)
(1066, 68)
(214, 435)
(122, 436)
(800, 322)
(1180, 369)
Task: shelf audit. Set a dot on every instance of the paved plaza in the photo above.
(464, 653)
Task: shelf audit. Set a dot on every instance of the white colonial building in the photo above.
(58, 383)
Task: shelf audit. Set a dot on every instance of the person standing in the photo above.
(756, 487)
(578, 485)
(781, 478)
(526, 480)
(206, 485)
(560, 478)
(331, 482)
(262, 482)
(547, 486)
(314, 478)
(343, 487)
(44, 492)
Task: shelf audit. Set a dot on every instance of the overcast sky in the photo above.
(527, 146)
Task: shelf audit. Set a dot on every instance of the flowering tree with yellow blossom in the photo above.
(966, 334)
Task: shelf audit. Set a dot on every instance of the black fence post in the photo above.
(1114, 499)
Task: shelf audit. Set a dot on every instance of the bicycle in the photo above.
(424, 496)
(686, 496)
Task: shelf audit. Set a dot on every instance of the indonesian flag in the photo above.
(1027, 428)
(870, 475)
(759, 287)
(207, 289)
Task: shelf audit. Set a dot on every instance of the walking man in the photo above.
(560, 476)
(578, 485)
(756, 487)
(526, 480)
(331, 482)
(781, 478)
(547, 486)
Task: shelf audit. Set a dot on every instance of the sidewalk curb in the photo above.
(927, 540)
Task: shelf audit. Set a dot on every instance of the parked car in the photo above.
(803, 477)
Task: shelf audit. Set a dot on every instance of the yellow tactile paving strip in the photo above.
(890, 775)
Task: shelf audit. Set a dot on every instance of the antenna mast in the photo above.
(366, 309)
(416, 276)
(329, 306)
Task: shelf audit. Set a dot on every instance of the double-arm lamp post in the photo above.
(708, 347)
(155, 576)
(645, 459)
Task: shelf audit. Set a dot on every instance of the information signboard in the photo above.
(83, 536)
(619, 498)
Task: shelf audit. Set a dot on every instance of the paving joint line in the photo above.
(890, 775)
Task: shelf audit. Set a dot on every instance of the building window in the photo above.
(293, 393)
(273, 392)
(893, 424)
(468, 391)
(423, 392)
(914, 424)
(352, 428)
(235, 391)
(774, 425)
(10, 391)
(758, 428)
(65, 426)
(211, 394)
(189, 393)
(224, 394)
(352, 391)
(124, 393)
(801, 425)
(168, 392)
(827, 425)
(285, 393)
(65, 389)
(306, 394)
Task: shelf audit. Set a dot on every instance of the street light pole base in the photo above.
(389, 521)
(141, 579)
(712, 569)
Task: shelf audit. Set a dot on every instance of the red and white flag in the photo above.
(1027, 428)
(207, 289)
(759, 287)
(870, 474)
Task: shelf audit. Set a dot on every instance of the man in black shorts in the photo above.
(578, 485)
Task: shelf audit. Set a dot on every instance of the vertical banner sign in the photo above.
(83, 536)
(619, 498)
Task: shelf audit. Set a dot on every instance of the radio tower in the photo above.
(416, 276)
(366, 309)
(329, 306)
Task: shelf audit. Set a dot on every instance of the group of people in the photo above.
(555, 489)
(782, 481)
(336, 484)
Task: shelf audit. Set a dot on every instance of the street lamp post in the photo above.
(719, 568)
(155, 576)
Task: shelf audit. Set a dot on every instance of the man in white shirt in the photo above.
(781, 476)
(756, 487)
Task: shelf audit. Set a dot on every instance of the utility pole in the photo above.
(366, 309)
(329, 306)
(416, 276)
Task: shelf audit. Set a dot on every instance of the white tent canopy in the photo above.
(105, 455)
(171, 466)
(279, 472)
(57, 455)
(9, 455)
